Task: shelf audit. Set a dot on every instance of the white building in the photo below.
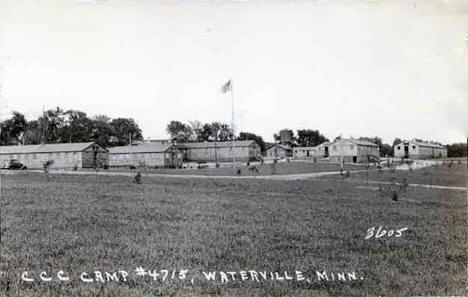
(146, 155)
(419, 150)
(61, 155)
(278, 151)
(354, 151)
(319, 151)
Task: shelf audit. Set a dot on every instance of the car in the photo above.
(14, 164)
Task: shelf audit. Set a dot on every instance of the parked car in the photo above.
(14, 164)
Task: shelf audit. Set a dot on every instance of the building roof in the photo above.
(268, 145)
(284, 147)
(155, 147)
(313, 147)
(359, 142)
(425, 144)
(166, 140)
(45, 148)
(220, 144)
(325, 143)
(304, 147)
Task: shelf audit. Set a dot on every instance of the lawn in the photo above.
(447, 175)
(108, 223)
(265, 169)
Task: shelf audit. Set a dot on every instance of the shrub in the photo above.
(254, 170)
(138, 178)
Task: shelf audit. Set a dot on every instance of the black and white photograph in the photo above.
(233, 148)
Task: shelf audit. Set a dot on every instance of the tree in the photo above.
(205, 133)
(385, 149)
(456, 150)
(124, 131)
(51, 123)
(77, 127)
(12, 129)
(33, 133)
(251, 136)
(196, 128)
(309, 137)
(102, 131)
(396, 141)
(214, 131)
(285, 136)
(377, 140)
(225, 132)
(179, 131)
(58, 126)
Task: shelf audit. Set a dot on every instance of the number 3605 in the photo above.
(380, 232)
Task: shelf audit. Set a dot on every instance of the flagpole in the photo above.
(233, 127)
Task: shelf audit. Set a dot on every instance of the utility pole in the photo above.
(233, 127)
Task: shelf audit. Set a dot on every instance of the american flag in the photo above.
(226, 87)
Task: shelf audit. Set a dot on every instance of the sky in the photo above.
(388, 69)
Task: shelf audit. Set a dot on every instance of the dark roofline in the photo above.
(38, 146)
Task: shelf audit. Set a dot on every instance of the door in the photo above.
(95, 163)
(406, 147)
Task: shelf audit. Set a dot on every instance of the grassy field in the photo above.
(108, 223)
(453, 175)
(265, 169)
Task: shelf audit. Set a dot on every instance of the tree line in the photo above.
(196, 131)
(63, 126)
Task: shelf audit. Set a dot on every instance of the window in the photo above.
(414, 147)
(351, 147)
(34, 156)
(334, 147)
(398, 147)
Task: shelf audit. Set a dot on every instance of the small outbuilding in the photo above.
(224, 151)
(419, 150)
(278, 151)
(354, 151)
(59, 155)
(319, 151)
(156, 154)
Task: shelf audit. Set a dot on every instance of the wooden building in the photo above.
(354, 151)
(419, 150)
(244, 151)
(61, 155)
(156, 154)
(278, 151)
(319, 151)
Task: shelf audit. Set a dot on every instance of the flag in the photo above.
(226, 87)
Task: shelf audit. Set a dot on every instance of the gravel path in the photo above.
(296, 176)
